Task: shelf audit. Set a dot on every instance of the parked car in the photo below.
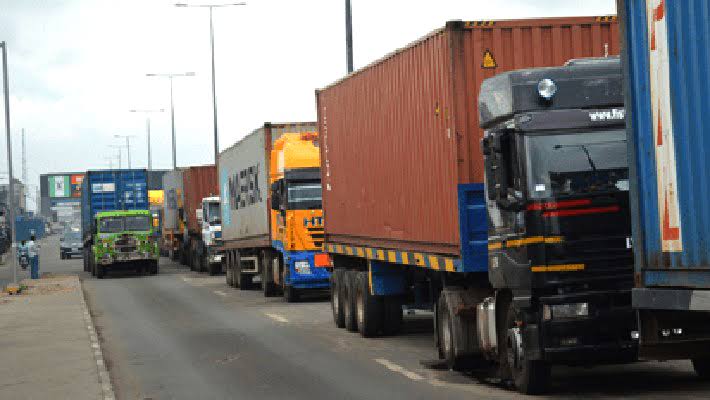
(70, 244)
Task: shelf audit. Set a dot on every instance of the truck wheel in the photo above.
(229, 272)
(243, 280)
(529, 376)
(205, 264)
(267, 286)
(214, 268)
(702, 367)
(291, 294)
(370, 309)
(392, 321)
(100, 271)
(349, 306)
(337, 296)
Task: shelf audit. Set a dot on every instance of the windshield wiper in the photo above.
(584, 149)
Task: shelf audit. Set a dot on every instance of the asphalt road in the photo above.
(182, 335)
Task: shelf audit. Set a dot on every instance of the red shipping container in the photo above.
(198, 182)
(400, 134)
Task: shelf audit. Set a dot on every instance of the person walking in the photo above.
(33, 253)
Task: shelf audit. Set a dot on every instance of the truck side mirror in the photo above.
(275, 196)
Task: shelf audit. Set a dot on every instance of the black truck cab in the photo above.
(557, 187)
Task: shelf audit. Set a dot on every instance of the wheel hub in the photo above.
(360, 309)
(514, 345)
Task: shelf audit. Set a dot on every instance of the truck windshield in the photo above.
(214, 213)
(138, 223)
(111, 224)
(304, 195)
(576, 163)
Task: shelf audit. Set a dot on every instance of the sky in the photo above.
(76, 68)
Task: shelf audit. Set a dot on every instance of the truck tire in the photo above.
(370, 309)
(229, 272)
(267, 265)
(528, 376)
(291, 294)
(154, 267)
(392, 319)
(214, 268)
(204, 263)
(349, 306)
(243, 280)
(100, 271)
(702, 368)
(337, 298)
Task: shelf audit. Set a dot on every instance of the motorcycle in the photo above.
(24, 259)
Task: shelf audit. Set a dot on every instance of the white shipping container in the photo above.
(243, 172)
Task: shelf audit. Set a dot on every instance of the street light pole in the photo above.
(349, 36)
(172, 108)
(11, 185)
(128, 146)
(214, 93)
(147, 132)
(119, 147)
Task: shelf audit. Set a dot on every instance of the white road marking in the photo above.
(399, 369)
(221, 293)
(276, 317)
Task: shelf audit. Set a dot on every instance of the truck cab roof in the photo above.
(581, 84)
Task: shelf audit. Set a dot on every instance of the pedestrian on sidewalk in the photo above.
(33, 252)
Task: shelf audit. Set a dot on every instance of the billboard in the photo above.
(64, 186)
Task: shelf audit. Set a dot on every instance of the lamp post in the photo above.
(11, 185)
(128, 146)
(172, 108)
(147, 131)
(214, 95)
(119, 147)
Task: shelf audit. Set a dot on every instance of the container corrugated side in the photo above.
(172, 186)
(399, 135)
(111, 190)
(198, 182)
(244, 180)
(667, 63)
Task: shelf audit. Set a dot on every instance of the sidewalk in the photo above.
(46, 343)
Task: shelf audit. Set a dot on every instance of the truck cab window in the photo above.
(111, 225)
(304, 195)
(138, 223)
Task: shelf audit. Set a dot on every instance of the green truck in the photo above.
(123, 240)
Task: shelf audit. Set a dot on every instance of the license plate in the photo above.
(74, 249)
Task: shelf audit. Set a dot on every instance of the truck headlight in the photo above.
(565, 311)
(302, 267)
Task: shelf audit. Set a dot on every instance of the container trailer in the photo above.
(116, 225)
(517, 240)
(202, 221)
(191, 218)
(666, 65)
(271, 208)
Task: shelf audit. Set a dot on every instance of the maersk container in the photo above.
(111, 190)
(172, 187)
(667, 67)
(244, 183)
(400, 135)
(198, 182)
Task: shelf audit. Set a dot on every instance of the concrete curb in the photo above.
(104, 378)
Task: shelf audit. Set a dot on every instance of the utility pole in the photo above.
(147, 129)
(214, 95)
(128, 146)
(11, 185)
(349, 36)
(24, 165)
(172, 108)
(119, 147)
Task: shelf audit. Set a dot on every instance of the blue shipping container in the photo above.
(111, 190)
(667, 70)
(26, 226)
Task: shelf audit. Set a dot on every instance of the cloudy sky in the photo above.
(77, 67)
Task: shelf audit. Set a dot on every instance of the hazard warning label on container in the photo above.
(488, 60)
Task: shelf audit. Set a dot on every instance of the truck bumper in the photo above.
(671, 299)
(303, 274)
(127, 258)
(604, 336)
